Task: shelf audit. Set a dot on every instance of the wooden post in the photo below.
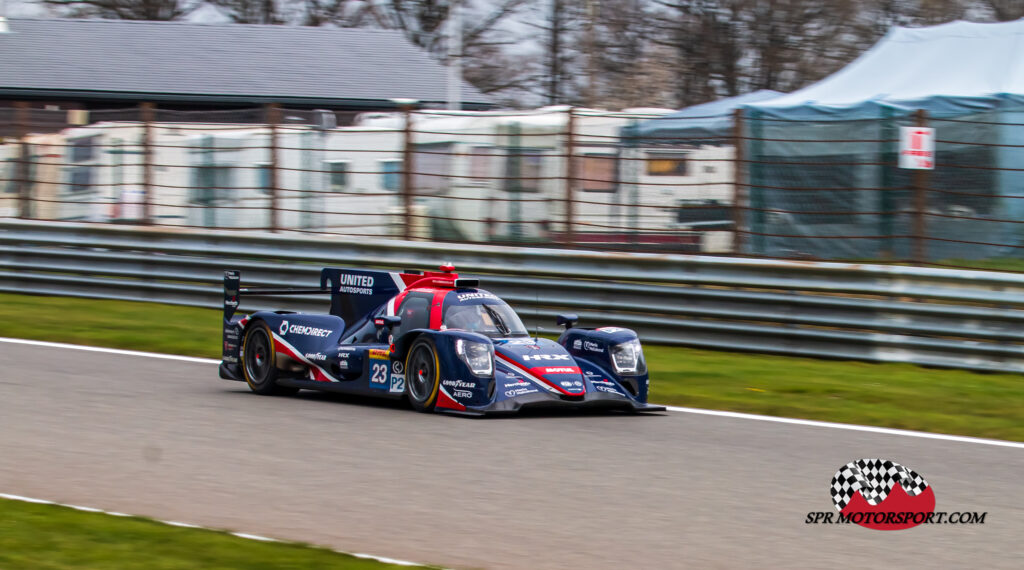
(24, 185)
(407, 173)
(886, 198)
(739, 189)
(272, 115)
(920, 182)
(147, 110)
(755, 176)
(570, 178)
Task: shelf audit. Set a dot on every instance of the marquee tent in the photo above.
(822, 160)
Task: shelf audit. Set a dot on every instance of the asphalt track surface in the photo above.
(167, 439)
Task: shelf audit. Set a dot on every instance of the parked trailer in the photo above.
(492, 176)
(502, 177)
(219, 176)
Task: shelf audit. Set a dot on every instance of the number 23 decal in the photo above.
(380, 374)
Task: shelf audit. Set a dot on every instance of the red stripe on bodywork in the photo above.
(436, 307)
(410, 278)
(318, 373)
(532, 374)
(446, 401)
(545, 370)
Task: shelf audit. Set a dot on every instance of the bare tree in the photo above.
(251, 11)
(1005, 10)
(705, 37)
(161, 10)
(557, 24)
(491, 62)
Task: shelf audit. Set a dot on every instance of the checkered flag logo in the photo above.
(874, 478)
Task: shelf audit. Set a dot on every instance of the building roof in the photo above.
(236, 63)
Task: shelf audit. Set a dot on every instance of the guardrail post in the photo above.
(920, 182)
(23, 168)
(738, 187)
(407, 173)
(272, 115)
(147, 111)
(570, 177)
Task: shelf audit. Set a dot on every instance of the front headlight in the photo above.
(476, 355)
(628, 358)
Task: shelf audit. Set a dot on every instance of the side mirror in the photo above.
(387, 321)
(567, 319)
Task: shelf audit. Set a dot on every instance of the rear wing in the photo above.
(354, 292)
(233, 291)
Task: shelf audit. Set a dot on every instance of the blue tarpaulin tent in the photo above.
(713, 120)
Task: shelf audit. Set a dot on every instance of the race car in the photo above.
(431, 337)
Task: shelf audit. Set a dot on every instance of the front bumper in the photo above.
(540, 400)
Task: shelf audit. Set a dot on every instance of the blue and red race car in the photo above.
(433, 338)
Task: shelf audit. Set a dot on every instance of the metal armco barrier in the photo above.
(934, 317)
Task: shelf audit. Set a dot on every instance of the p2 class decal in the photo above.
(318, 373)
(881, 494)
(397, 383)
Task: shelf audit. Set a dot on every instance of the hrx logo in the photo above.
(546, 357)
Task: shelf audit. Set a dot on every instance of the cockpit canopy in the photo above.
(481, 312)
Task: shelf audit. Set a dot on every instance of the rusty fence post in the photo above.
(920, 185)
(739, 188)
(568, 237)
(272, 115)
(22, 178)
(407, 173)
(147, 112)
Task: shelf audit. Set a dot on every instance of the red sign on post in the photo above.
(917, 148)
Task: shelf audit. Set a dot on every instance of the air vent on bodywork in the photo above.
(467, 283)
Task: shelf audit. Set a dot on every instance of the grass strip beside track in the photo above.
(52, 536)
(887, 395)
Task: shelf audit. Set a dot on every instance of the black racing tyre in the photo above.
(422, 375)
(258, 357)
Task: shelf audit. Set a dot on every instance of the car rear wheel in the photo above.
(258, 356)
(422, 375)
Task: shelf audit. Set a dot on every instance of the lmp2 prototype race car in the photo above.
(433, 338)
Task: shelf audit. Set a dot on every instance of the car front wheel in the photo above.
(422, 375)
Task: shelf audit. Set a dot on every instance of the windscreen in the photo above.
(491, 317)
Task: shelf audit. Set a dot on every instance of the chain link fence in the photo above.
(730, 184)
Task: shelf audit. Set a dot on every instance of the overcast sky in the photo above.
(23, 9)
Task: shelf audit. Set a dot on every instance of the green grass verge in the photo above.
(53, 537)
(889, 395)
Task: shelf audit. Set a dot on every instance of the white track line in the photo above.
(110, 350)
(850, 427)
(724, 414)
(187, 525)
